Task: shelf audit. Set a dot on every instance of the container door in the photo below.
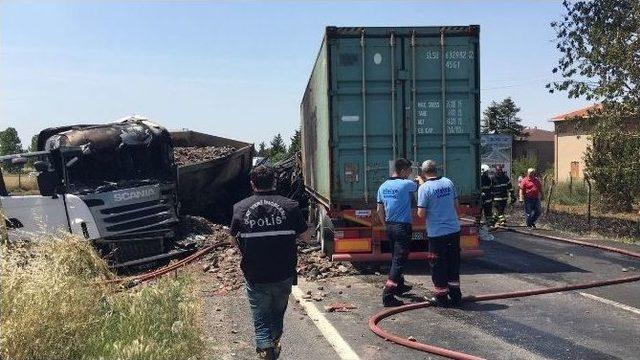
(366, 114)
(443, 94)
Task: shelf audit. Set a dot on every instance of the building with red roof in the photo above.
(572, 139)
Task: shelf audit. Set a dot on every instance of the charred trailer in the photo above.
(376, 94)
(213, 173)
(113, 184)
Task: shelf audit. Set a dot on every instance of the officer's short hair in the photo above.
(429, 166)
(263, 177)
(401, 164)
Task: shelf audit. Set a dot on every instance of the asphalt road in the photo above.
(555, 326)
(571, 325)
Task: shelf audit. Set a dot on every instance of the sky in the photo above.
(236, 69)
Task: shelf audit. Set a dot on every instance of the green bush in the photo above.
(521, 165)
(54, 305)
(613, 160)
(565, 193)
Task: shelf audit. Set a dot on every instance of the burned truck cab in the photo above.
(124, 173)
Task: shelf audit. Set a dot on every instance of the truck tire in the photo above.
(324, 234)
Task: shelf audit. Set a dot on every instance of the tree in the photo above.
(10, 144)
(600, 52)
(295, 142)
(501, 118)
(613, 160)
(262, 149)
(278, 150)
(34, 143)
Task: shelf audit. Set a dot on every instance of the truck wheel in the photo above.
(325, 236)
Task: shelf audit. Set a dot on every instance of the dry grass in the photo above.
(24, 184)
(582, 209)
(53, 306)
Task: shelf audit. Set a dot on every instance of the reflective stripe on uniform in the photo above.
(268, 233)
(500, 185)
(500, 198)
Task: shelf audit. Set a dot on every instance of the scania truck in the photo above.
(113, 184)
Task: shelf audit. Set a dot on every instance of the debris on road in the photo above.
(339, 307)
(224, 263)
(314, 265)
(192, 155)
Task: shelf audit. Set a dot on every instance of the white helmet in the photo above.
(484, 168)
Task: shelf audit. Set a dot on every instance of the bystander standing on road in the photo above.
(438, 204)
(531, 193)
(266, 226)
(395, 197)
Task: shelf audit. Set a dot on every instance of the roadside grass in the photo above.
(577, 193)
(54, 305)
(25, 184)
(575, 198)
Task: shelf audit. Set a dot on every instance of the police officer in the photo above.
(395, 196)
(502, 189)
(438, 204)
(486, 184)
(266, 226)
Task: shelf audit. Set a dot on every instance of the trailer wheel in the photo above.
(324, 233)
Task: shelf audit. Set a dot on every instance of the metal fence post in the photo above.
(588, 201)
(553, 183)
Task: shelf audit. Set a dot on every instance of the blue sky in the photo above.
(235, 69)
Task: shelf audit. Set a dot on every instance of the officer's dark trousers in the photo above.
(399, 238)
(445, 268)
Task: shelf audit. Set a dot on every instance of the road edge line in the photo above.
(611, 302)
(330, 333)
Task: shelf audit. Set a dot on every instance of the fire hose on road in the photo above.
(135, 280)
(452, 354)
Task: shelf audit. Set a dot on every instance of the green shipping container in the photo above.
(378, 93)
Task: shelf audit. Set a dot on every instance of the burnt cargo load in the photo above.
(209, 187)
(376, 94)
(124, 173)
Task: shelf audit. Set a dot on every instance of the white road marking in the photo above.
(611, 302)
(330, 333)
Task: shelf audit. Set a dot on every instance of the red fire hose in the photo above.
(452, 354)
(134, 280)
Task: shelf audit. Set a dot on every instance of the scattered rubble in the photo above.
(191, 155)
(314, 265)
(339, 307)
(224, 263)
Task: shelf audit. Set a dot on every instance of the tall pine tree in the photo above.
(502, 118)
